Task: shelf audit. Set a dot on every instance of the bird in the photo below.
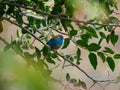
(56, 42)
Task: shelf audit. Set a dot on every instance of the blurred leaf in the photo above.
(38, 53)
(71, 59)
(53, 55)
(73, 32)
(82, 43)
(68, 77)
(78, 55)
(73, 81)
(108, 50)
(31, 20)
(69, 8)
(1, 12)
(28, 55)
(93, 47)
(57, 9)
(93, 60)
(41, 5)
(19, 18)
(64, 24)
(66, 43)
(114, 20)
(67, 56)
(7, 47)
(117, 56)
(98, 27)
(102, 56)
(46, 51)
(24, 31)
(18, 49)
(28, 36)
(111, 63)
(37, 23)
(10, 9)
(19, 34)
(50, 60)
(107, 9)
(81, 83)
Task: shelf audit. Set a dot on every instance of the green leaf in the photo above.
(81, 83)
(93, 60)
(98, 27)
(114, 20)
(69, 8)
(66, 43)
(28, 55)
(37, 23)
(31, 20)
(93, 47)
(114, 38)
(82, 43)
(10, 9)
(67, 76)
(111, 63)
(24, 31)
(7, 47)
(102, 35)
(19, 18)
(64, 24)
(92, 31)
(28, 36)
(46, 51)
(78, 55)
(73, 32)
(102, 56)
(108, 50)
(116, 56)
(108, 38)
(49, 60)
(1, 12)
(53, 55)
(85, 37)
(38, 53)
(19, 34)
(18, 49)
(73, 80)
(71, 59)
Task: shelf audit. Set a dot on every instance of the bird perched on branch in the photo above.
(56, 42)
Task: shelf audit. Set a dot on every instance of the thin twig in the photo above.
(92, 85)
(57, 16)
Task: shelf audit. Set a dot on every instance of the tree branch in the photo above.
(57, 16)
(95, 81)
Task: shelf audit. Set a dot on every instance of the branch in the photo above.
(57, 16)
(95, 81)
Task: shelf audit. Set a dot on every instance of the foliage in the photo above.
(36, 19)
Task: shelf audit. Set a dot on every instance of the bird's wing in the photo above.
(52, 39)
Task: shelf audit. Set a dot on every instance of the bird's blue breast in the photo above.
(56, 41)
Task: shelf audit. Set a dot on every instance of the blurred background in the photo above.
(15, 75)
